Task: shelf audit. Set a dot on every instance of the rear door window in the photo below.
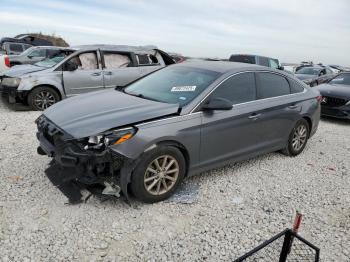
(272, 85)
(115, 60)
(238, 89)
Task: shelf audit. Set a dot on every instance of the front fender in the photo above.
(30, 82)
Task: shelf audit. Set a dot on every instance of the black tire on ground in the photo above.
(291, 149)
(42, 91)
(141, 173)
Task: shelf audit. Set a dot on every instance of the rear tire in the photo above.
(42, 97)
(158, 174)
(297, 139)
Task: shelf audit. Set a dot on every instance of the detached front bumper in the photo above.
(13, 94)
(74, 168)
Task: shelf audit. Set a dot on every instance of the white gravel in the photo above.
(238, 206)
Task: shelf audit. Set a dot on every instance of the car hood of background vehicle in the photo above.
(20, 70)
(340, 91)
(305, 77)
(93, 113)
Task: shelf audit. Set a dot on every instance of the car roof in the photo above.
(223, 66)
(125, 48)
(54, 47)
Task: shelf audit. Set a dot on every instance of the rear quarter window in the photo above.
(16, 47)
(295, 87)
(272, 85)
(264, 61)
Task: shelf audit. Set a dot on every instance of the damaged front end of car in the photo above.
(86, 163)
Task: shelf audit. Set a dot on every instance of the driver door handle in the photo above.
(108, 73)
(293, 107)
(96, 74)
(254, 116)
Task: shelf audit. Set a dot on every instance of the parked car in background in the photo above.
(177, 57)
(338, 69)
(16, 45)
(30, 56)
(179, 121)
(256, 59)
(314, 75)
(336, 96)
(13, 48)
(89, 69)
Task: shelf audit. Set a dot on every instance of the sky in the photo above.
(290, 30)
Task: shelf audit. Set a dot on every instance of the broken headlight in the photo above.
(116, 137)
(111, 137)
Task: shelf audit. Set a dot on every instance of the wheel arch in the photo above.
(179, 146)
(47, 85)
(309, 121)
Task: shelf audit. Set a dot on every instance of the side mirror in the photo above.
(30, 56)
(217, 103)
(70, 66)
(280, 67)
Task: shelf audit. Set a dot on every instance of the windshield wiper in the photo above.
(142, 96)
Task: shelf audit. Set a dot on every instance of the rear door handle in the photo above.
(96, 74)
(108, 73)
(293, 107)
(254, 116)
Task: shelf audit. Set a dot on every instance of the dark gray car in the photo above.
(176, 122)
(314, 75)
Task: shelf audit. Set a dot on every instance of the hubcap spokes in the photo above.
(44, 99)
(299, 137)
(161, 175)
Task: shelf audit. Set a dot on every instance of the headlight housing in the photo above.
(111, 137)
(11, 81)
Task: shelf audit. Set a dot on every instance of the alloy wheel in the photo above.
(161, 175)
(44, 99)
(299, 137)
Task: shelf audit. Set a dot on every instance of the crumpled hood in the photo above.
(340, 91)
(96, 112)
(20, 70)
(305, 77)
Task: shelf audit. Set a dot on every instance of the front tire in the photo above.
(42, 97)
(297, 139)
(158, 174)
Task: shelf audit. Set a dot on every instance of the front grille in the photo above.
(333, 101)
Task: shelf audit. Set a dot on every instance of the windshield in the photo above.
(342, 79)
(50, 62)
(309, 71)
(173, 84)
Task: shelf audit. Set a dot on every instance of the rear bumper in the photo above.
(342, 112)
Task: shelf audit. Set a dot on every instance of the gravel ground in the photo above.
(238, 206)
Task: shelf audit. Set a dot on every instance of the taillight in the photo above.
(319, 99)
(7, 61)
